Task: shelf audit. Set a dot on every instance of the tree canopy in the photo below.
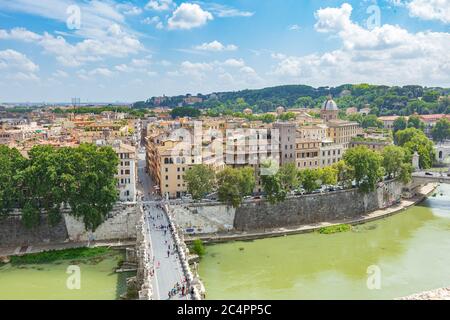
(82, 178)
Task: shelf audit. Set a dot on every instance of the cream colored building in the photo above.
(127, 171)
(342, 132)
(307, 154)
(330, 153)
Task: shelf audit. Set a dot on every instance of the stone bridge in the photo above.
(424, 177)
(443, 153)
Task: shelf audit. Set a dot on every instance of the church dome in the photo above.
(330, 105)
(280, 110)
(248, 111)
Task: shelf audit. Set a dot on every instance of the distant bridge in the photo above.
(423, 177)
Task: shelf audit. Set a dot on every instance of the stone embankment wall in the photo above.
(309, 209)
(120, 225)
(295, 211)
(14, 233)
(204, 218)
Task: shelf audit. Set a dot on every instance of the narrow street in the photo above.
(168, 269)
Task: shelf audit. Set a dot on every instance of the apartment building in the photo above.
(330, 153)
(126, 172)
(307, 153)
(287, 133)
(342, 132)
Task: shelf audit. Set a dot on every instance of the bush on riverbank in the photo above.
(55, 255)
(198, 248)
(335, 229)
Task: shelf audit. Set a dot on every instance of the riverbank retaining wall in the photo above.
(295, 211)
(14, 233)
(120, 225)
(308, 209)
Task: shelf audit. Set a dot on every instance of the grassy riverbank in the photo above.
(335, 229)
(57, 255)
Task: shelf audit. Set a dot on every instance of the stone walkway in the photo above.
(379, 214)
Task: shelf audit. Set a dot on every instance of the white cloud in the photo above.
(230, 73)
(234, 63)
(387, 54)
(101, 72)
(17, 66)
(224, 11)
(114, 42)
(430, 10)
(216, 46)
(188, 16)
(60, 74)
(13, 60)
(156, 21)
(294, 27)
(160, 5)
(129, 10)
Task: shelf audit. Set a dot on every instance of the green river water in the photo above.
(409, 251)
(98, 281)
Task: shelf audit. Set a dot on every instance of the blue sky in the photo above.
(53, 50)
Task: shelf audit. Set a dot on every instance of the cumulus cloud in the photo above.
(224, 11)
(114, 42)
(160, 5)
(188, 16)
(230, 73)
(387, 54)
(156, 21)
(17, 66)
(216, 46)
(430, 9)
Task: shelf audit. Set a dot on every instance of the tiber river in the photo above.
(404, 254)
(411, 252)
(98, 280)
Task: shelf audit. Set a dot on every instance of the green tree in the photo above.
(288, 174)
(94, 194)
(11, 163)
(393, 158)
(431, 96)
(406, 170)
(366, 165)
(273, 188)
(287, 116)
(345, 173)
(310, 179)
(414, 140)
(329, 175)
(415, 122)
(371, 121)
(181, 112)
(400, 124)
(235, 184)
(200, 181)
(277, 185)
(441, 130)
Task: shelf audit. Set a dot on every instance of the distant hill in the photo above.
(384, 100)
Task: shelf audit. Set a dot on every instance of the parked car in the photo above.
(428, 174)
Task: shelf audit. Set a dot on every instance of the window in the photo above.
(167, 169)
(167, 177)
